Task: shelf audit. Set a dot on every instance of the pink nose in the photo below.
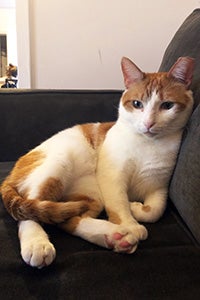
(149, 124)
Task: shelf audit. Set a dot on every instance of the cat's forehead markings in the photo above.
(157, 92)
(155, 96)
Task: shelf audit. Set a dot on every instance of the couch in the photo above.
(167, 265)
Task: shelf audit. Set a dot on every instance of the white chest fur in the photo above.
(144, 162)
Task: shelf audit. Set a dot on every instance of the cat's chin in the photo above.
(150, 134)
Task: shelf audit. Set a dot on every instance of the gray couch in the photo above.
(167, 265)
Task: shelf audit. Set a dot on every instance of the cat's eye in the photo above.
(167, 105)
(137, 104)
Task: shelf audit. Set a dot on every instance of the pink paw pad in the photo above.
(117, 236)
(125, 244)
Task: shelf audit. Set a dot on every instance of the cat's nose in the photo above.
(149, 124)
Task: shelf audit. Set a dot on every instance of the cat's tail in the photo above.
(40, 211)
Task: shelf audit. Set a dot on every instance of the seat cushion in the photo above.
(82, 270)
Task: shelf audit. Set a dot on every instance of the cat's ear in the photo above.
(130, 72)
(182, 70)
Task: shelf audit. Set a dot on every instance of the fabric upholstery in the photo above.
(36, 121)
(185, 185)
(165, 266)
(186, 42)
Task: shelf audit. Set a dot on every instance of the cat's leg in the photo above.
(113, 234)
(36, 249)
(120, 213)
(114, 191)
(102, 233)
(113, 173)
(153, 207)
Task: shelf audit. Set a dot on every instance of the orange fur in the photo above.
(52, 189)
(114, 217)
(94, 209)
(95, 133)
(166, 87)
(146, 208)
(24, 166)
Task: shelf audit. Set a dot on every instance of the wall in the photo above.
(79, 44)
(24, 29)
(8, 27)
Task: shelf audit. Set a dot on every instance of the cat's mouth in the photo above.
(150, 134)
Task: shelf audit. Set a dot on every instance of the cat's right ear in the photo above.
(130, 72)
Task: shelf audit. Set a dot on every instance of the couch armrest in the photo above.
(185, 184)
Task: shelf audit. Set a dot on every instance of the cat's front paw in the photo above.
(38, 253)
(145, 213)
(141, 212)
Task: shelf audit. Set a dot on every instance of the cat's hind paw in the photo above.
(125, 239)
(121, 243)
(38, 253)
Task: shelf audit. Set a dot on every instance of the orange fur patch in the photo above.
(22, 208)
(94, 206)
(113, 217)
(51, 189)
(95, 132)
(71, 224)
(166, 87)
(146, 208)
(24, 166)
(94, 209)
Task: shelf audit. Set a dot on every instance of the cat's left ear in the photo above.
(131, 72)
(183, 70)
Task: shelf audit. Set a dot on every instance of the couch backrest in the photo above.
(27, 117)
(186, 42)
(185, 184)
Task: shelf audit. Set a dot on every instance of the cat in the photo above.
(123, 167)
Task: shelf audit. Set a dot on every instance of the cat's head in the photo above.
(156, 104)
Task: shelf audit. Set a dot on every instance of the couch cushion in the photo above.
(186, 42)
(31, 116)
(185, 184)
(165, 266)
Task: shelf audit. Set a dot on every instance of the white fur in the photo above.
(100, 232)
(69, 158)
(137, 165)
(36, 249)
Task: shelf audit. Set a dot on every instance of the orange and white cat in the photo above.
(122, 167)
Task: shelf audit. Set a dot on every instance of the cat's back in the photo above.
(76, 147)
(88, 135)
